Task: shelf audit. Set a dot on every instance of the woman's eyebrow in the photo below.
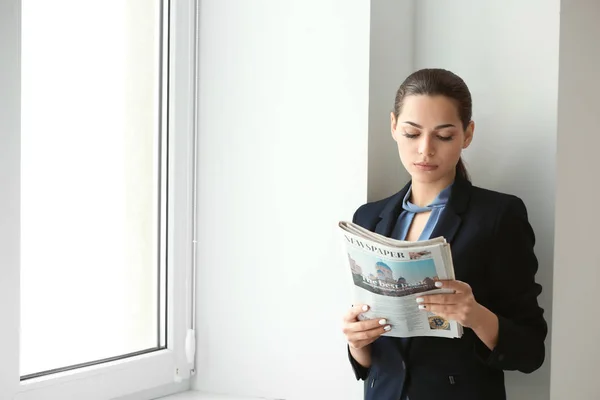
(436, 128)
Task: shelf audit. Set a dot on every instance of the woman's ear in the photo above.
(393, 123)
(469, 134)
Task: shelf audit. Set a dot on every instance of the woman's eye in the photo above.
(445, 138)
(410, 135)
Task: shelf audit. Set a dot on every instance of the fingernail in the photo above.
(387, 328)
(382, 322)
(420, 300)
(421, 307)
(365, 307)
(438, 284)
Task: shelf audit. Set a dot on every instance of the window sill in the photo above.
(194, 395)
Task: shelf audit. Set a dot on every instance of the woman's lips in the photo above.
(425, 166)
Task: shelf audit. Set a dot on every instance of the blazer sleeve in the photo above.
(360, 372)
(522, 327)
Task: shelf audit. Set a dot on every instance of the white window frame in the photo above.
(145, 376)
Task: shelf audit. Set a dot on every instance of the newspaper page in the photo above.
(389, 275)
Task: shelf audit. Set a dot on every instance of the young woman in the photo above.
(495, 292)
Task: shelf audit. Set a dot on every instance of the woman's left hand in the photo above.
(459, 306)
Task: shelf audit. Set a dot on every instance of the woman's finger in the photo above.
(369, 324)
(440, 299)
(366, 325)
(355, 311)
(457, 286)
(370, 334)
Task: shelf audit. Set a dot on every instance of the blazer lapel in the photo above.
(450, 219)
(390, 213)
(447, 225)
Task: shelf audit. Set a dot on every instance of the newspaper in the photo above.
(390, 274)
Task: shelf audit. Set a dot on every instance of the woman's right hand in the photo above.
(362, 333)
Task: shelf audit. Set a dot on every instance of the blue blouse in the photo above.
(409, 211)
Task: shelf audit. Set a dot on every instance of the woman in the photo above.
(495, 296)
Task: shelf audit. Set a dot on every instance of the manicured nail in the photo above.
(438, 284)
(382, 322)
(387, 328)
(420, 300)
(421, 307)
(365, 307)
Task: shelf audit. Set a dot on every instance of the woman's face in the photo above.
(430, 137)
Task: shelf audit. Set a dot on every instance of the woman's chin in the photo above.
(430, 176)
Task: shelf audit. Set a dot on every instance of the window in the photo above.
(96, 214)
(92, 186)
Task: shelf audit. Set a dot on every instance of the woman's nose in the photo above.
(425, 146)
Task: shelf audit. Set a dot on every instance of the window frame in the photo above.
(147, 375)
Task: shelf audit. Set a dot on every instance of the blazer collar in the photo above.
(449, 221)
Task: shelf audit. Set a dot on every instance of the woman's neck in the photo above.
(423, 193)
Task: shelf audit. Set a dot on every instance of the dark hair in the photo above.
(439, 82)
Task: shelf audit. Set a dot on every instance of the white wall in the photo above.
(283, 155)
(10, 158)
(507, 52)
(391, 60)
(575, 350)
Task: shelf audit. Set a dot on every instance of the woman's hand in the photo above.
(462, 307)
(362, 333)
(459, 306)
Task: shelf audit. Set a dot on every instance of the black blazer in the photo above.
(492, 250)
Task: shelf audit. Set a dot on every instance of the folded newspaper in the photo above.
(390, 274)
